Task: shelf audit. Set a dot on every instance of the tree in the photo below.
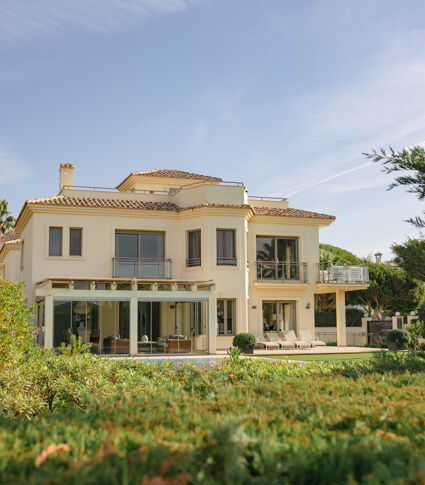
(410, 161)
(334, 255)
(6, 219)
(391, 289)
(411, 257)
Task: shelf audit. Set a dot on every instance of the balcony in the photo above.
(281, 271)
(342, 274)
(141, 268)
(222, 261)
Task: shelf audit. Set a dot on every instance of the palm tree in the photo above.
(6, 219)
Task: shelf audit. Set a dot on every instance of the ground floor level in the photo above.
(157, 318)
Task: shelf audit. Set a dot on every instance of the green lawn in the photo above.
(325, 357)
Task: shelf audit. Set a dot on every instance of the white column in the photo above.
(48, 321)
(341, 328)
(133, 325)
(212, 325)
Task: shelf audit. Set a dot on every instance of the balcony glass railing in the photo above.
(141, 268)
(333, 273)
(278, 270)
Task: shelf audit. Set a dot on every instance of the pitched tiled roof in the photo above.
(65, 201)
(275, 211)
(176, 174)
(10, 238)
(62, 200)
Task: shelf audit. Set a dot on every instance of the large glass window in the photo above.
(226, 317)
(226, 252)
(194, 248)
(140, 255)
(75, 241)
(278, 316)
(104, 325)
(55, 241)
(277, 258)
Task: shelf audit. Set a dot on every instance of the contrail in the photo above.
(330, 178)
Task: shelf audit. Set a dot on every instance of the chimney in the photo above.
(65, 175)
(378, 257)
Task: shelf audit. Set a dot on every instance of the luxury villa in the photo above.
(170, 262)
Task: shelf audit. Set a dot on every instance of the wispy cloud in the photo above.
(25, 19)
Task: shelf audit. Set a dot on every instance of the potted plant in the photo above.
(397, 339)
(245, 342)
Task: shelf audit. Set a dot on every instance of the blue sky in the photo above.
(282, 95)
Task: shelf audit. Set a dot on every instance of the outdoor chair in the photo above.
(306, 336)
(283, 344)
(262, 343)
(300, 344)
(355, 273)
(337, 273)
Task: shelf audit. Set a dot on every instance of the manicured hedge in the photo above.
(328, 319)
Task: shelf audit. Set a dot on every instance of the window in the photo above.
(277, 258)
(226, 317)
(55, 241)
(194, 248)
(278, 316)
(140, 255)
(226, 255)
(75, 241)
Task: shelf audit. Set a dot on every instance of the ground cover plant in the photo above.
(322, 357)
(77, 418)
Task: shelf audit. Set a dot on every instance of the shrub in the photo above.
(244, 341)
(416, 331)
(400, 338)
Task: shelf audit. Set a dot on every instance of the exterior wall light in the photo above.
(308, 306)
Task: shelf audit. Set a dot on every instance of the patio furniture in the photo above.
(300, 344)
(283, 344)
(263, 343)
(337, 273)
(113, 345)
(308, 337)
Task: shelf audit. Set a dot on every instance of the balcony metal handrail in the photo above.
(141, 268)
(342, 273)
(114, 189)
(190, 262)
(226, 261)
(282, 271)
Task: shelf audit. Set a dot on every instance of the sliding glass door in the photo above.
(277, 258)
(279, 316)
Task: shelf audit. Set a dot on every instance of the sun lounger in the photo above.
(283, 343)
(308, 337)
(300, 344)
(263, 343)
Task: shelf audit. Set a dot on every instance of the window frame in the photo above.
(138, 234)
(60, 243)
(81, 242)
(192, 262)
(226, 260)
(225, 317)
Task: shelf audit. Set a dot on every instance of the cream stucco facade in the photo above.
(175, 293)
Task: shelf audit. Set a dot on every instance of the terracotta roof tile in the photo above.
(11, 238)
(177, 174)
(65, 201)
(289, 212)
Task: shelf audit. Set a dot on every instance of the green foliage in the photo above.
(126, 421)
(244, 341)
(353, 318)
(331, 344)
(410, 160)
(6, 219)
(416, 331)
(335, 255)
(398, 337)
(234, 355)
(391, 290)
(410, 256)
(17, 333)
